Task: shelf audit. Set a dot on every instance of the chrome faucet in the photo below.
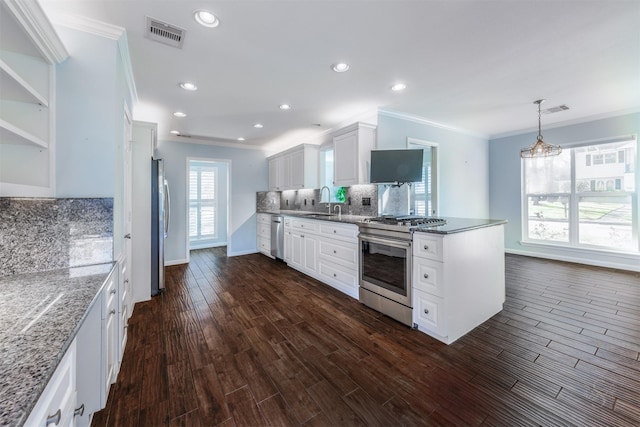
(339, 209)
(329, 199)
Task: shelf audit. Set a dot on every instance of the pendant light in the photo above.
(540, 148)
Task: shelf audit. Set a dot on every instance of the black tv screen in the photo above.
(396, 166)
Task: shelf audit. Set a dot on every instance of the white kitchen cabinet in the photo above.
(125, 306)
(324, 250)
(110, 331)
(294, 169)
(458, 280)
(263, 223)
(29, 51)
(57, 403)
(352, 154)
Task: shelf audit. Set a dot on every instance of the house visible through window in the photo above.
(203, 181)
(585, 197)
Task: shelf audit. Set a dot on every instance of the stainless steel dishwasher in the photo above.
(277, 236)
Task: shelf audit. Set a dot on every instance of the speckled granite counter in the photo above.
(458, 225)
(40, 315)
(453, 225)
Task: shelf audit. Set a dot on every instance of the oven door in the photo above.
(385, 267)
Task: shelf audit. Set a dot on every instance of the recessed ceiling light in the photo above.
(240, 139)
(175, 132)
(206, 18)
(188, 86)
(258, 126)
(180, 114)
(285, 107)
(340, 67)
(398, 87)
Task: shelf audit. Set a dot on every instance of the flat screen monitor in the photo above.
(396, 166)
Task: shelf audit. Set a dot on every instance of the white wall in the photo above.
(248, 174)
(505, 181)
(462, 161)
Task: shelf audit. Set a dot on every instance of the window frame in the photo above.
(574, 196)
(199, 165)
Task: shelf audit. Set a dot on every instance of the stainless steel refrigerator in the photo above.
(160, 214)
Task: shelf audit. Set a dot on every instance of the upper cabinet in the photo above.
(294, 169)
(29, 51)
(352, 147)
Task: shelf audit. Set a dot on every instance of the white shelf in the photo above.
(15, 88)
(10, 134)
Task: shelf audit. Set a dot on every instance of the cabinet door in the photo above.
(273, 174)
(296, 170)
(310, 253)
(287, 246)
(297, 250)
(345, 169)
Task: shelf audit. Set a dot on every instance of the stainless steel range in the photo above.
(385, 263)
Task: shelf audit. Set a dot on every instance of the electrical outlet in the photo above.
(313, 202)
(349, 201)
(366, 201)
(287, 203)
(305, 202)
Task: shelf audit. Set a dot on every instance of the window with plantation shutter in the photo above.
(203, 181)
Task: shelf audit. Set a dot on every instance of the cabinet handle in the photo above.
(126, 280)
(426, 276)
(127, 236)
(112, 312)
(426, 311)
(79, 411)
(334, 231)
(334, 275)
(334, 252)
(426, 248)
(113, 291)
(54, 419)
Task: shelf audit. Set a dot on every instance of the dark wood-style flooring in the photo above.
(247, 341)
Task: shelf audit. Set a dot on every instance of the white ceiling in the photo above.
(470, 64)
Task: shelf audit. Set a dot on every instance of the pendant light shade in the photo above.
(540, 148)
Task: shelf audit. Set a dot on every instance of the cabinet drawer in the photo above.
(264, 218)
(264, 230)
(333, 273)
(428, 312)
(339, 252)
(427, 276)
(427, 246)
(264, 245)
(344, 231)
(308, 226)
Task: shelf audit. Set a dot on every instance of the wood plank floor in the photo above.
(247, 341)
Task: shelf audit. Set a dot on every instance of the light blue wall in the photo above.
(248, 175)
(505, 183)
(462, 160)
(87, 129)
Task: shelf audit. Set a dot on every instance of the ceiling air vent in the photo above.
(555, 109)
(164, 33)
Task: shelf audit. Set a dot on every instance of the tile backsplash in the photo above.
(308, 200)
(45, 234)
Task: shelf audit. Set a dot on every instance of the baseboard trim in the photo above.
(577, 260)
(176, 262)
(240, 253)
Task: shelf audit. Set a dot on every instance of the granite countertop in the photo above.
(40, 315)
(457, 225)
(453, 225)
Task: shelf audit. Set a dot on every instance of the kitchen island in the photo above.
(40, 315)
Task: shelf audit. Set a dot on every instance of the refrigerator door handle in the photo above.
(167, 208)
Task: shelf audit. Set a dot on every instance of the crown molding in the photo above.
(421, 120)
(36, 24)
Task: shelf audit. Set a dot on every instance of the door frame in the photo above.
(227, 201)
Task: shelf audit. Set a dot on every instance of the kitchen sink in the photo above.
(315, 214)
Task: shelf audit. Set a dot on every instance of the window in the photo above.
(203, 181)
(423, 193)
(326, 173)
(568, 201)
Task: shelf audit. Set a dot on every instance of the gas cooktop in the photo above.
(402, 222)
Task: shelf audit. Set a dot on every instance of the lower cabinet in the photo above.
(57, 404)
(324, 250)
(458, 281)
(264, 233)
(80, 385)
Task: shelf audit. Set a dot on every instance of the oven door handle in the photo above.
(385, 241)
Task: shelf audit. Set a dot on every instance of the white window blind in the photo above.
(203, 181)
